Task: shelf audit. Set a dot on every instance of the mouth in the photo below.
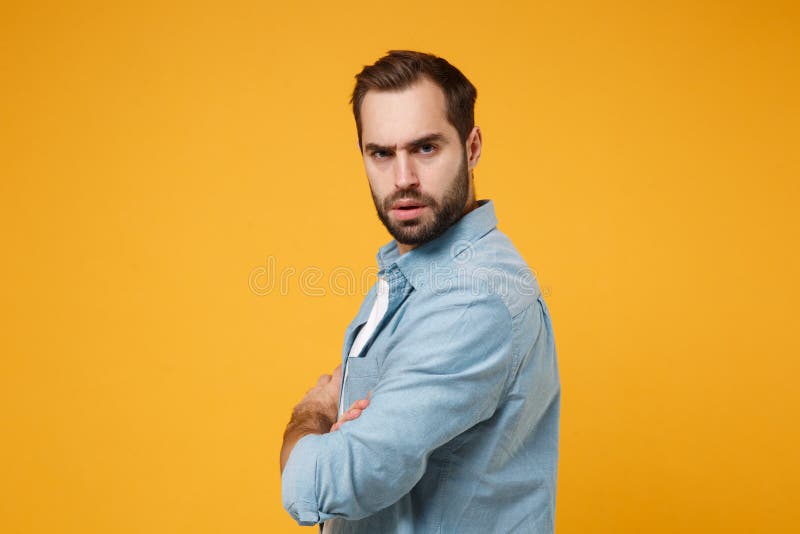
(407, 209)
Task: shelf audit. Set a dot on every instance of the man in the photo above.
(450, 364)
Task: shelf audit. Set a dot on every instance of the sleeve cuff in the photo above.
(299, 482)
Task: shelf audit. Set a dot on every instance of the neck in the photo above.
(403, 248)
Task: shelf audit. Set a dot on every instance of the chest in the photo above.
(368, 342)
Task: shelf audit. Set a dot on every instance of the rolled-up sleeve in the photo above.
(298, 481)
(446, 368)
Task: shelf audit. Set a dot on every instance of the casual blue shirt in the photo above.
(461, 434)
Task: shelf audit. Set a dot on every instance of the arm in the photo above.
(314, 414)
(445, 373)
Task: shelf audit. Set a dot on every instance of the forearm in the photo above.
(307, 418)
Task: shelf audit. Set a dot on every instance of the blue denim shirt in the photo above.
(461, 434)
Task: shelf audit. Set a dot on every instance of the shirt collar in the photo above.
(416, 264)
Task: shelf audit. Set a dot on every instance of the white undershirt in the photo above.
(378, 309)
(375, 316)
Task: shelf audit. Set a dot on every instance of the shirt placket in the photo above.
(399, 288)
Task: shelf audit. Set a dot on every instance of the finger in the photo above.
(323, 379)
(349, 415)
(360, 404)
(336, 377)
(352, 413)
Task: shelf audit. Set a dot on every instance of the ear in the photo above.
(474, 144)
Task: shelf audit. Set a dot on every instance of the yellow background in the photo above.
(154, 156)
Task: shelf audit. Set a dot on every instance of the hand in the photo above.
(314, 414)
(352, 413)
(323, 398)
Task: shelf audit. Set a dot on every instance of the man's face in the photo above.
(415, 162)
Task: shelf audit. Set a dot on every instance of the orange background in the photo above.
(643, 156)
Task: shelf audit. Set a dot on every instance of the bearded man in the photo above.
(450, 373)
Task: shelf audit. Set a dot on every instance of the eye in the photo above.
(427, 148)
(380, 154)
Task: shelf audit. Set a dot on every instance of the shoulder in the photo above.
(489, 272)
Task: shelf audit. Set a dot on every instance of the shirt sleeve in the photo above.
(445, 373)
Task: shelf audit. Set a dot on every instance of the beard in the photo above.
(428, 227)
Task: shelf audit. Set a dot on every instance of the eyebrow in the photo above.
(424, 140)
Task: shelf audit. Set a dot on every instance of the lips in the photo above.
(407, 209)
(407, 204)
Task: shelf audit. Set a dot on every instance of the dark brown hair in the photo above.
(399, 69)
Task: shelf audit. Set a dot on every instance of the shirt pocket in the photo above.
(362, 376)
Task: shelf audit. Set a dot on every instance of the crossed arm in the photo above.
(316, 412)
(445, 374)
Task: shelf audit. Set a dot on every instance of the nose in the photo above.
(405, 171)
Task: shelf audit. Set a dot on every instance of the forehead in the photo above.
(390, 117)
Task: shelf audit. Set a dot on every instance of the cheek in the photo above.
(377, 186)
(380, 181)
(442, 173)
